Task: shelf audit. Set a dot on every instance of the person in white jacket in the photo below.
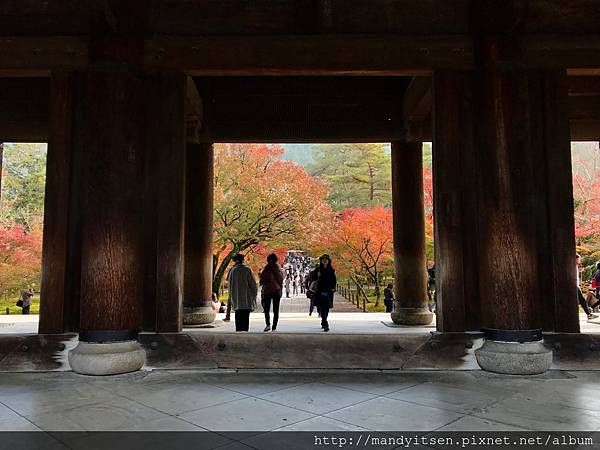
(242, 292)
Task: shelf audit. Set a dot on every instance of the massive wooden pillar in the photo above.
(410, 276)
(61, 254)
(198, 234)
(112, 255)
(509, 235)
(57, 206)
(455, 203)
(503, 200)
(165, 199)
(508, 259)
(553, 184)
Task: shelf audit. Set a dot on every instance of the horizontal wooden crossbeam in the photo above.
(331, 54)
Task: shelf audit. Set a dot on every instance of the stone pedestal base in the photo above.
(107, 358)
(412, 316)
(198, 316)
(514, 358)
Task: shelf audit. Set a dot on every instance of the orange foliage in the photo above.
(361, 242)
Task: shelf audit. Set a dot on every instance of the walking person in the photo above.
(431, 295)
(388, 298)
(271, 280)
(326, 283)
(295, 285)
(580, 296)
(287, 284)
(301, 282)
(242, 292)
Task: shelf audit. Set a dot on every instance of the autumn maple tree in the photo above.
(262, 200)
(361, 244)
(20, 257)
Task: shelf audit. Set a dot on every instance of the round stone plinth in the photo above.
(412, 316)
(514, 358)
(198, 316)
(112, 358)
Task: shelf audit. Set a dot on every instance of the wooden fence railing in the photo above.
(352, 296)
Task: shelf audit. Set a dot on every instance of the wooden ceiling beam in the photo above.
(585, 130)
(34, 53)
(331, 54)
(584, 86)
(584, 108)
(309, 55)
(562, 51)
(243, 17)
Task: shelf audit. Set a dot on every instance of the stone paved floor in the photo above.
(332, 401)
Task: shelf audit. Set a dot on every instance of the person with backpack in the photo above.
(308, 285)
(323, 286)
(271, 280)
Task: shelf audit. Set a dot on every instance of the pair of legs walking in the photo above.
(313, 304)
(266, 302)
(322, 301)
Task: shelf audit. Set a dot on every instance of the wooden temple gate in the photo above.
(131, 95)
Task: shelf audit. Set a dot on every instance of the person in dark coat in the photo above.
(271, 280)
(324, 274)
(388, 298)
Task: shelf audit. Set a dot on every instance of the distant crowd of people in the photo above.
(319, 285)
(296, 271)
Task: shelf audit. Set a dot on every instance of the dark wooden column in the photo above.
(507, 237)
(455, 204)
(559, 179)
(165, 204)
(410, 264)
(79, 161)
(56, 206)
(111, 278)
(548, 91)
(198, 234)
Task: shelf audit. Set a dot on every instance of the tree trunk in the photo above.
(360, 288)
(220, 272)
